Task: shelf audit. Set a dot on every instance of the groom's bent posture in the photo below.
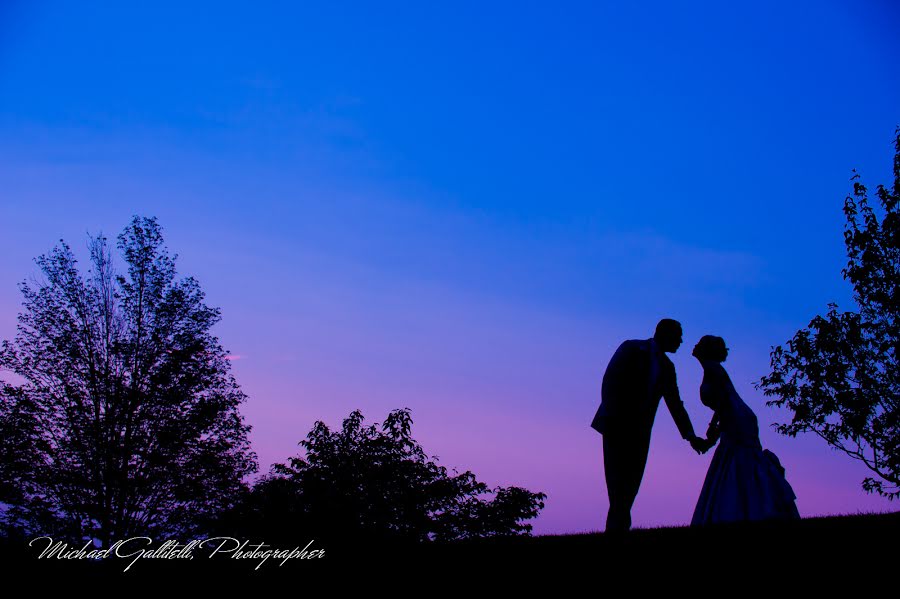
(638, 375)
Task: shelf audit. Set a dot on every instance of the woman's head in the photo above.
(710, 348)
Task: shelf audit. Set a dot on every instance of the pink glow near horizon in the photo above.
(496, 413)
(465, 216)
(502, 388)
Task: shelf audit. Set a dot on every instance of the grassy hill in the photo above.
(821, 539)
(849, 548)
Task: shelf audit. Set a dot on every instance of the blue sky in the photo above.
(465, 207)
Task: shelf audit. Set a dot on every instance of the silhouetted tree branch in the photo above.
(840, 375)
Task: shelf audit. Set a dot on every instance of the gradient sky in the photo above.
(464, 208)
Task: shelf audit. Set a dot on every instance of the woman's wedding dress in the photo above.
(744, 482)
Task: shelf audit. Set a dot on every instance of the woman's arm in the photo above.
(713, 430)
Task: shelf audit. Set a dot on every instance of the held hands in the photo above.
(701, 445)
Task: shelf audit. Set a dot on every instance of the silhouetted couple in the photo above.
(744, 482)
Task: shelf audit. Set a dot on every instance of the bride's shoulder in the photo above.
(713, 371)
(715, 377)
(720, 370)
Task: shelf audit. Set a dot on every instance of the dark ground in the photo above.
(862, 550)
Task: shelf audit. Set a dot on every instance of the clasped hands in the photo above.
(701, 445)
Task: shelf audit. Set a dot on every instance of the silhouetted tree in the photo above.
(840, 375)
(362, 482)
(122, 415)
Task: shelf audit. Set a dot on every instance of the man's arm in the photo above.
(614, 380)
(615, 374)
(675, 405)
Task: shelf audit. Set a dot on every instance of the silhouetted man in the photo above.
(637, 376)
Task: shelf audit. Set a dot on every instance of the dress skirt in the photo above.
(744, 483)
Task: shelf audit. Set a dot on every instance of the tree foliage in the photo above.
(840, 376)
(365, 483)
(122, 415)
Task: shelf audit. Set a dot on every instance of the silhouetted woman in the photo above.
(744, 482)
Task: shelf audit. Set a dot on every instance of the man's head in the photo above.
(668, 335)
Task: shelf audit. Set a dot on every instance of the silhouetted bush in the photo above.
(365, 483)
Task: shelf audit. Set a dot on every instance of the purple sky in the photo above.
(465, 214)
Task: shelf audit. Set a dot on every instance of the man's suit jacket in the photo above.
(630, 398)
